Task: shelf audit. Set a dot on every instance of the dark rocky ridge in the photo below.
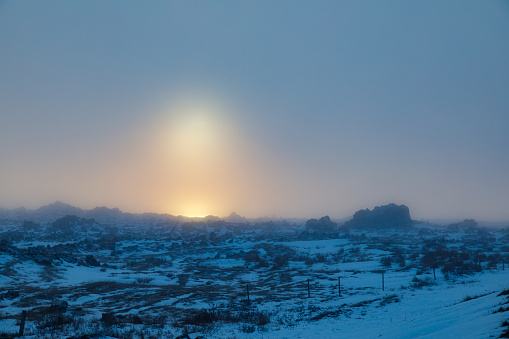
(387, 216)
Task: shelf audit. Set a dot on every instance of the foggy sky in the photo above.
(287, 108)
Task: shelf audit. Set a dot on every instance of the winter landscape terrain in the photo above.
(106, 274)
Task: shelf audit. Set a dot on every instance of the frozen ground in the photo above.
(76, 277)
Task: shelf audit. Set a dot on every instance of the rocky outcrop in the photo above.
(91, 261)
(324, 224)
(465, 224)
(235, 218)
(387, 216)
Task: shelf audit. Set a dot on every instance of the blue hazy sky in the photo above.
(292, 108)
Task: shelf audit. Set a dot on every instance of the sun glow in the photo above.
(195, 146)
(198, 158)
(192, 206)
(196, 134)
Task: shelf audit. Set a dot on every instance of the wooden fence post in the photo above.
(22, 324)
(383, 282)
(339, 286)
(247, 290)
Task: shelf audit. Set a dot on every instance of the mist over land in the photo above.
(104, 273)
(270, 169)
(291, 110)
(114, 215)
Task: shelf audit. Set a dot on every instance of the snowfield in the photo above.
(197, 279)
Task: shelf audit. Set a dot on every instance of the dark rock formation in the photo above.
(91, 261)
(235, 218)
(465, 224)
(324, 224)
(388, 216)
(103, 212)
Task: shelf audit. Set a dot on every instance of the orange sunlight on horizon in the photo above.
(200, 160)
(192, 155)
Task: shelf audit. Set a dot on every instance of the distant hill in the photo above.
(60, 209)
(387, 216)
(102, 214)
(234, 217)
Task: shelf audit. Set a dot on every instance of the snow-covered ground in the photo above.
(167, 281)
